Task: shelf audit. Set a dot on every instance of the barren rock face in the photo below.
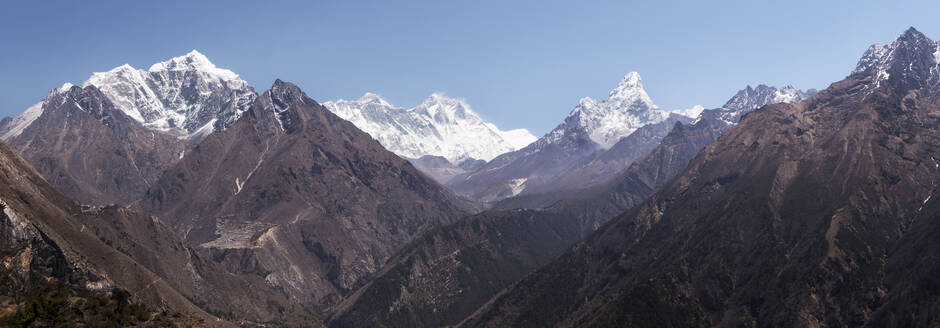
(92, 151)
(312, 203)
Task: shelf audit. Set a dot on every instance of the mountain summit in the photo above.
(626, 109)
(821, 213)
(591, 129)
(910, 62)
(106, 141)
(184, 95)
(315, 202)
(438, 126)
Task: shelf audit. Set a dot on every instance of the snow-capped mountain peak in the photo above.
(369, 97)
(438, 126)
(911, 61)
(630, 90)
(446, 110)
(751, 98)
(183, 95)
(194, 61)
(627, 108)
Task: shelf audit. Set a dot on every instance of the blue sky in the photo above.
(520, 64)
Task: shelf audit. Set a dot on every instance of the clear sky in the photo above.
(520, 64)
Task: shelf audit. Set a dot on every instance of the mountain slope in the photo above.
(312, 203)
(92, 250)
(643, 161)
(106, 142)
(43, 241)
(439, 126)
(590, 129)
(183, 96)
(92, 151)
(801, 215)
(453, 270)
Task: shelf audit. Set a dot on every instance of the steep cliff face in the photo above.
(300, 197)
(801, 215)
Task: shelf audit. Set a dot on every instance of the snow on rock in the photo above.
(19, 123)
(749, 99)
(607, 121)
(438, 126)
(182, 95)
(913, 59)
(693, 112)
(516, 186)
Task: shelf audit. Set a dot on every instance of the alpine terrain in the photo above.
(451, 271)
(810, 214)
(566, 153)
(107, 141)
(438, 127)
(296, 195)
(124, 267)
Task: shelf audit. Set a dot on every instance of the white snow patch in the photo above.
(516, 186)
(626, 109)
(22, 121)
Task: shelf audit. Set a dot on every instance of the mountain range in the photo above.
(180, 196)
(454, 270)
(438, 126)
(801, 215)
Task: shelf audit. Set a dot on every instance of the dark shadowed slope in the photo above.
(802, 215)
(294, 194)
(49, 236)
(504, 246)
(658, 156)
(43, 240)
(92, 151)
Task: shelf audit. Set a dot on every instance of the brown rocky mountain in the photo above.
(107, 141)
(567, 154)
(655, 166)
(92, 151)
(294, 194)
(504, 246)
(814, 214)
(51, 240)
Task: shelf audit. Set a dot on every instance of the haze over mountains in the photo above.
(201, 202)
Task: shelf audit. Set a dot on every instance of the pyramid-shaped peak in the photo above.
(629, 86)
(909, 62)
(194, 61)
(912, 34)
(630, 92)
(284, 94)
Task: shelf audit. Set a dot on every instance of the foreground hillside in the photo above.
(815, 214)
